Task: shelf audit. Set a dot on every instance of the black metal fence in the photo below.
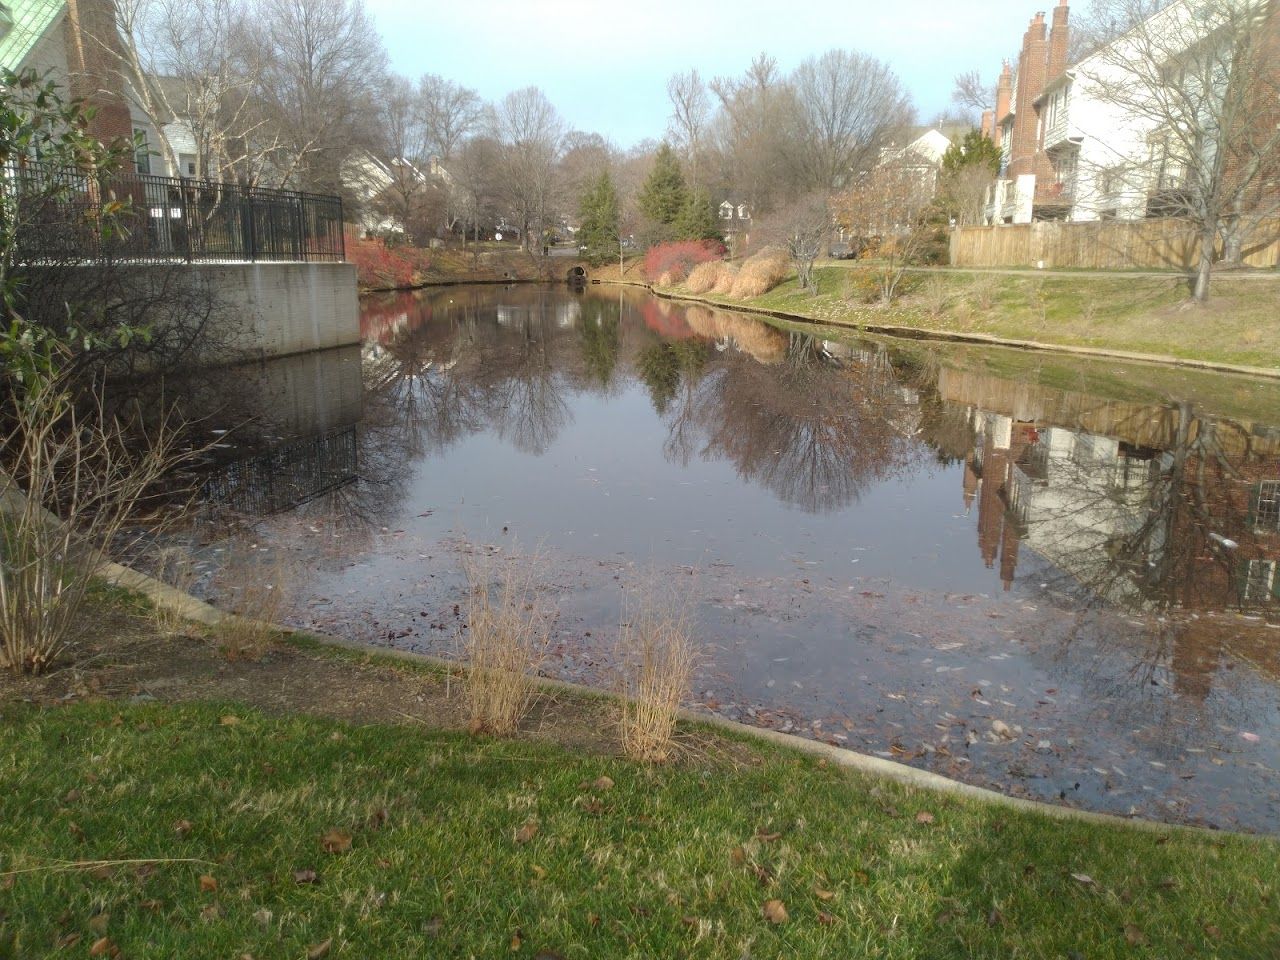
(65, 214)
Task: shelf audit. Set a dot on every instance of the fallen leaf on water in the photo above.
(526, 832)
(318, 950)
(924, 817)
(775, 911)
(1250, 737)
(207, 883)
(1135, 936)
(336, 841)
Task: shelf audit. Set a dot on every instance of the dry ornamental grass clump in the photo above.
(255, 585)
(508, 632)
(712, 277)
(761, 273)
(657, 660)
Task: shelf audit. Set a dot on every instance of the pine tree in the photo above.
(664, 194)
(598, 234)
(975, 150)
(697, 220)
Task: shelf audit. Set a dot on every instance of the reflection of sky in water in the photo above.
(888, 553)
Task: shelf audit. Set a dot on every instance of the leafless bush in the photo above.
(935, 294)
(982, 290)
(657, 659)
(254, 584)
(761, 273)
(73, 476)
(508, 631)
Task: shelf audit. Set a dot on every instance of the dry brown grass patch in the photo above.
(761, 273)
(657, 660)
(508, 631)
(255, 585)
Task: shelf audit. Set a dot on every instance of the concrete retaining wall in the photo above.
(287, 307)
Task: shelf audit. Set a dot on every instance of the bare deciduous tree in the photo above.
(690, 117)
(1203, 79)
(450, 113)
(530, 130)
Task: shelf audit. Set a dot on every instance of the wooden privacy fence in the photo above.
(1100, 245)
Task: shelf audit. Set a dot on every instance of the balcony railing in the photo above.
(71, 215)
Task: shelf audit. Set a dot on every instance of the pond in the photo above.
(1054, 578)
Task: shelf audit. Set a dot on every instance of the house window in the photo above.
(187, 164)
(1260, 580)
(142, 154)
(726, 211)
(1266, 515)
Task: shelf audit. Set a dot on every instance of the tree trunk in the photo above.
(1208, 236)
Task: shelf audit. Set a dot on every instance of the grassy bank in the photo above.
(1132, 313)
(292, 836)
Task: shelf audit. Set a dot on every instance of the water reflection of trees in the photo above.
(814, 428)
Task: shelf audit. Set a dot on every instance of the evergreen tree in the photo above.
(697, 220)
(664, 194)
(598, 234)
(975, 150)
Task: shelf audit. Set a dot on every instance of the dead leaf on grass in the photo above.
(103, 947)
(775, 911)
(230, 720)
(527, 832)
(1083, 878)
(305, 876)
(1134, 936)
(823, 895)
(336, 841)
(924, 817)
(827, 919)
(318, 950)
(207, 883)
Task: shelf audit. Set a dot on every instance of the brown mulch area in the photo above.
(121, 656)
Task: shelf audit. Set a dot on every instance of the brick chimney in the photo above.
(1032, 67)
(1004, 99)
(1059, 41)
(94, 55)
(989, 125)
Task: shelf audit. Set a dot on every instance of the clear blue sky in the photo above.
(605, 65)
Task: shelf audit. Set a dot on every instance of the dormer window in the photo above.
(726, 211)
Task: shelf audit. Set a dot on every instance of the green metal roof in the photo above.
(24, 22)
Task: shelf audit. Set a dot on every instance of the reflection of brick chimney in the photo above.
(1059, 40)
(1032, 66)
(970, 484)
(1004, 99)
(94, 55)
(1008, 555)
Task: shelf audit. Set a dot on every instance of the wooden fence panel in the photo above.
(1099, 245)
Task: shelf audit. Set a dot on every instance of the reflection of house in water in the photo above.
(1168, 509)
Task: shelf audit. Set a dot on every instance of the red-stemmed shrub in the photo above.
(674, 260)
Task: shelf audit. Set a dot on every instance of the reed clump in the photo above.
(508, 632)
(657, 661)
(761, 273)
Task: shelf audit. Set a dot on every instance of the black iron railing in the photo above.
(73, 215)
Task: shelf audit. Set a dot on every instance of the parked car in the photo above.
(841, 251)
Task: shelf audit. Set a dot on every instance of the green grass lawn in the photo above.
(1142, 314)
(441, 845)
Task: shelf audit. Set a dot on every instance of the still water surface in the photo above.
(1050, 578)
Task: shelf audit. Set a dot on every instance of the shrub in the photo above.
(676, 260)
(657, 662)
(705, 277)
(761, 273)
(725, 281)
(508, 632)
(380, 267)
